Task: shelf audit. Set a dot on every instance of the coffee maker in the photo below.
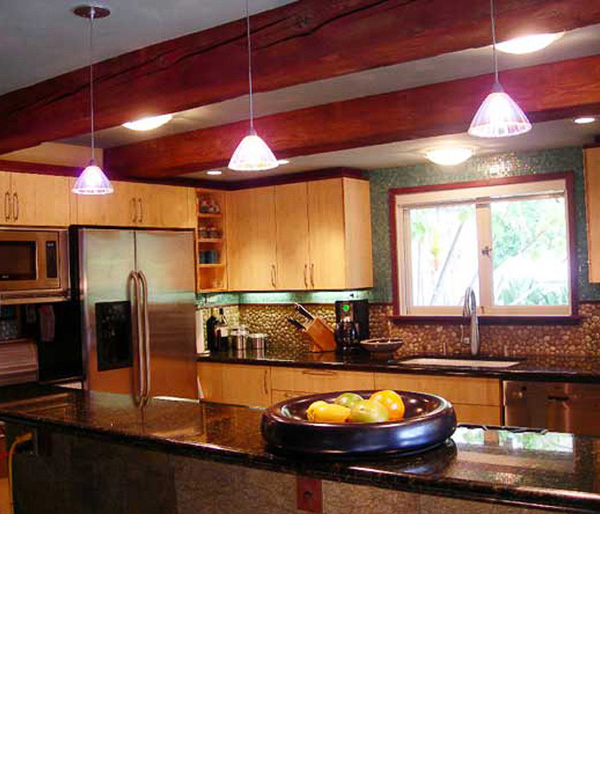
(352, 322)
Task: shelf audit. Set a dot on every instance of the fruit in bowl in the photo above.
(385, 405)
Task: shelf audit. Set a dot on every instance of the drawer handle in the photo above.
(328, 374)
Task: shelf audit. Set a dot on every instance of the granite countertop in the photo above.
(556, 471)
(528, 368)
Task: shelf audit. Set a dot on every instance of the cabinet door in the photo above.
(251, 234)
(5, 198)
(116, 209)
(462, 390)
(315, 380)
(235, 384)
(327, 239)
(357, 228)
(293, 252)
(592, 201)
(165, 206)
(39, 199)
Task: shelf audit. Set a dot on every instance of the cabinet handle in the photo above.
(141, 210)
(16, 206)
(7, 206)
(329, 374)
(273, 278)
(305, 274)
(265, 384)
(312, 275)
(133, 209)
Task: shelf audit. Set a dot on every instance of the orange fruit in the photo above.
(392, 401)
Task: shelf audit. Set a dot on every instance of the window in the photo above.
(509, 241)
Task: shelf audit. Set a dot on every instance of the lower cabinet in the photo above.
(475, 400)
(235, 384)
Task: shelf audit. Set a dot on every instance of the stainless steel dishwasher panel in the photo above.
(560, 406)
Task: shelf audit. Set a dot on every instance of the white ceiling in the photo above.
(42, 38)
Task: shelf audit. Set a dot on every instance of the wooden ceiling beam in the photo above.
(546, 92)
(296, 43)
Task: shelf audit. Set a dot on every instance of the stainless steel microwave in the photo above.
(34, 265)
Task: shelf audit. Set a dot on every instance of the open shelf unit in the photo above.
(211, 266)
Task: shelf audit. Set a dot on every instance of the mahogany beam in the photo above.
(546, 92)
(297, 43)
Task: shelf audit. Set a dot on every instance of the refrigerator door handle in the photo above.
(146, 323)
(134, 281)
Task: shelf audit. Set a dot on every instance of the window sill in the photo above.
(486, 320)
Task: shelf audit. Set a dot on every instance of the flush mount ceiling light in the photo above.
(527, 44)
(449, 156)
(584, 119)
(147, 124)
(283, 161)
(252, 154)
(498, 114)
(214, 171)
(92, 181)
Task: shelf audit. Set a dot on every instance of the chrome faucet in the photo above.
(470, 312)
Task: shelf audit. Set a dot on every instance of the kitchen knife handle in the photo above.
(144, 294)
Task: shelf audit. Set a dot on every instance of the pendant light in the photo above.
(498, 115)
(92, 181)
(252, 154)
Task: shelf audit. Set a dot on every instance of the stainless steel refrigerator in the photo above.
(139, 332)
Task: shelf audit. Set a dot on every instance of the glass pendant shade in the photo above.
(92, 182)
(499, 116)
(253, 155)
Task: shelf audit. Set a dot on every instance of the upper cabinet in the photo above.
(138, 204)
(34, 199)
(592, 200)
(301, 236)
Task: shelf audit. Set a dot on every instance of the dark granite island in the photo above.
(97, 452)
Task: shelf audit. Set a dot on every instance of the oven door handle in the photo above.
(133, 281)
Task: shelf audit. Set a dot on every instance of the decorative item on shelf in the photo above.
(252, 154)
(209, 257)
(498, 114)
(92, 181)
(209, 207)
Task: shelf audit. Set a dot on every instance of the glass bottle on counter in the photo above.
(222, 332)
(211, 332)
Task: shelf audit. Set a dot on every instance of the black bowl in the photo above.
(429, 420)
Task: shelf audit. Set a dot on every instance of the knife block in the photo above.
(320, 335)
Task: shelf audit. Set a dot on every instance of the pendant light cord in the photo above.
(493, 18)
(92, 13)
(250, 67)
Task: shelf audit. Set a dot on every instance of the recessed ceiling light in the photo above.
(449, 156)
(214, 171)
(584, 119)
(527, 44)
(147, 124)
(284, 161)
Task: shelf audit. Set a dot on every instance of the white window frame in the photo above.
(480, 196)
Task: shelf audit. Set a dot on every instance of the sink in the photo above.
(451, 361)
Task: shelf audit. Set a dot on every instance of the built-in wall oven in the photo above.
(34, 265)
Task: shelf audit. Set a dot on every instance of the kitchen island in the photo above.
(98, 452)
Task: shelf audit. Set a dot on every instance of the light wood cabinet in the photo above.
(235, 384)
(137, 204)
(34, 199)
(339, 213)
(475, 400)
(592, 201)
(309, 380)
(251, 234)
(301, 236)
(292, 237)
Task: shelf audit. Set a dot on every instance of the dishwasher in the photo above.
(560, 406)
